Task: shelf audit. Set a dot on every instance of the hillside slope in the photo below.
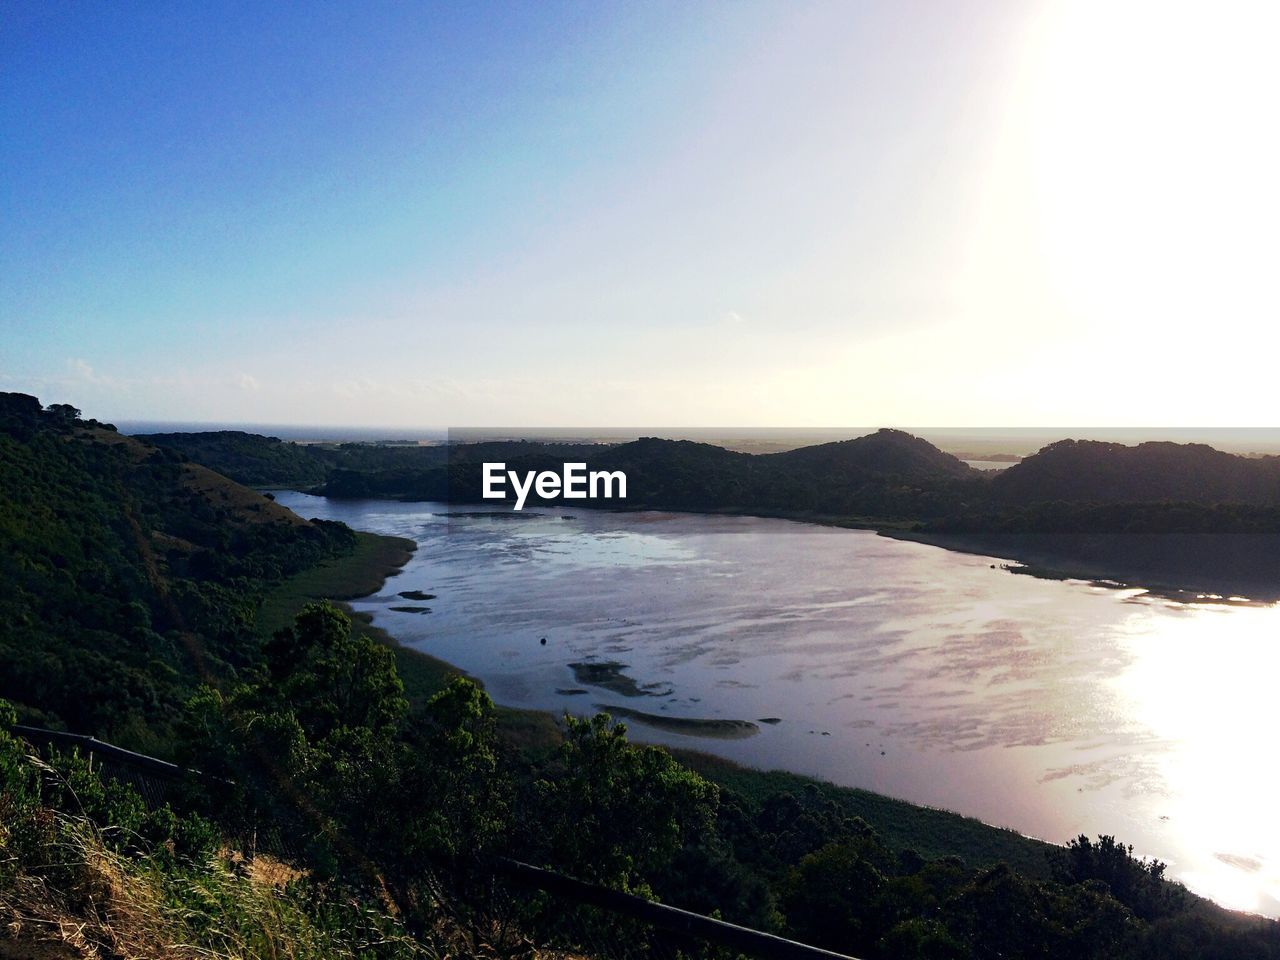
(129, 573)
(249, 458)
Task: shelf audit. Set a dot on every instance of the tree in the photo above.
(1137, 883)
(332, 678)
(63, 413)
(833, 897)
(311, 747)
(455, 797)
(617, 813)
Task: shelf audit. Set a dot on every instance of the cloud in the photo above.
(82, 372)
(248, 382)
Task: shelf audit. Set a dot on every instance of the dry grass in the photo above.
(249, 505)
(90, 902)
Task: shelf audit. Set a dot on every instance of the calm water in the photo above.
(1056, 708)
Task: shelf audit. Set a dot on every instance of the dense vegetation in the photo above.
(250, 458)
(87, 871)
(1090, 471)
(128, 573)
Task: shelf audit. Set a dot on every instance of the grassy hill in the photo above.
(130, 574)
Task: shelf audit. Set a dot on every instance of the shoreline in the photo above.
(1037, 555)
(363, 573)
(1155, 565)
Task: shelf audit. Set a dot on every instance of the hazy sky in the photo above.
(802, 214)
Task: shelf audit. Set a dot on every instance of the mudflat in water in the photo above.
(1055, 708)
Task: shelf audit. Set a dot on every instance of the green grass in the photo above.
(931, 832)
(358, 574)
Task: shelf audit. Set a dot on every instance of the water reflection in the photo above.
(1203, 681)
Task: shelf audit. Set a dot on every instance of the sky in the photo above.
(973, 213)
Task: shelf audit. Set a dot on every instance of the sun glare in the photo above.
(1130, 200)
(1205, 703)
(1155, 155)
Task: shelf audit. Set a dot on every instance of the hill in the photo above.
(249, 458)
(1147, 514)
(888, 475)
(883, 453)
(130, 573)
(134, 575)
(1097, 472)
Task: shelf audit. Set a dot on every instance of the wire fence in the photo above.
(559, 915)
(157, 781)
(607, 923)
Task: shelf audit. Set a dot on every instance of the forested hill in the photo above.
(1153, 514)
(891, 452)
(129, 573)
(249, 458)
(1090, 471)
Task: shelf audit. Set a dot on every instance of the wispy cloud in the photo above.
(82, 371)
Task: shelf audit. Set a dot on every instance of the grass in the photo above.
(247, 505)
(86, 900)
(360, 573)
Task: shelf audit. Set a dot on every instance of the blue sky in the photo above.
(590, 214)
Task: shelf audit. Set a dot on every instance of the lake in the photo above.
(1053, 707)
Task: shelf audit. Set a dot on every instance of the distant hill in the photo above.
(883, 453)
(887, 474)
(249, 458)
(129, 572)
(683, 474)
(1096, 472)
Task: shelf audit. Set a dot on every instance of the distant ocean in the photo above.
(969, 443)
